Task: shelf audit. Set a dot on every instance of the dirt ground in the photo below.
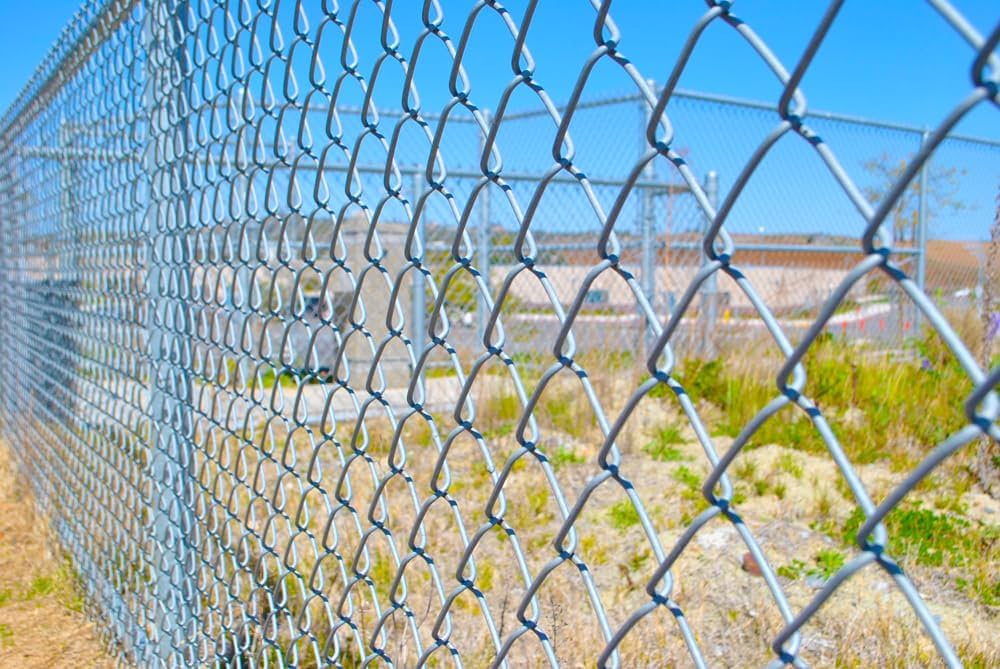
(41, 613)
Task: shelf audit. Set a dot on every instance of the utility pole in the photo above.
(484, 245)
(711, 290)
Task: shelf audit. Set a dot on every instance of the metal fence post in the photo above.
(648, 260)
(922, 228)
(8, 199)
(62, 147)
(418, 330)
(484, 246)
(711, 289)
(171, 452)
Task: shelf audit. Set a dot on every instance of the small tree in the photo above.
(942, 189)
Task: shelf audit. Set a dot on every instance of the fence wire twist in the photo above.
(237, 371)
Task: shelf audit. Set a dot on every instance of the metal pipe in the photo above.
(171, 451)
(534, 177)
(921, 250)
(418, 308)
(659, 245)
(645, 213)
(482, 304)
(699, 96)
(780, 248)
(712, 284)
(358, 111)
(106, 156)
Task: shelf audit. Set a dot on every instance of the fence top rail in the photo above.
(762, 106)
(96, 18)
(84, 33)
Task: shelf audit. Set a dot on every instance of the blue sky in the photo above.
(27, 32)
(892, 60)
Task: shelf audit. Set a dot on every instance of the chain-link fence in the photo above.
(796, 236)
(307, 373)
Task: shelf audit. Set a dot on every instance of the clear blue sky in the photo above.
(891, 59)
(27, 32)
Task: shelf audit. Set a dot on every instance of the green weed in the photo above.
(499, 413)
(929, 539)
(789, 464)
(826, 563)
(824, 505)
(623, 515)
(63, 583)
(564, 411)
(538, 503)
(670, 434)
(40, 587)
(485, 573)
(566, 456)
(661, 448)
(663, 452)
(793, 570)
(592, 549)
(690, 493)
(761, 486)
(636, 562)
(747, 469)
(879, 406)
(381, 573)
(439, 371)
(687, 478)
(286, 378)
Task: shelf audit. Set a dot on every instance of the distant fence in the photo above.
(250, 317)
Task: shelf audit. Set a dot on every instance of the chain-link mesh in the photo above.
(305, 371)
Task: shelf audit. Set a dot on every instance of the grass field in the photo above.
(313, 555)
(887, 409)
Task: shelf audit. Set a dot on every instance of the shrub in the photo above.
(661, 448)
(931, 539)
(623, 515)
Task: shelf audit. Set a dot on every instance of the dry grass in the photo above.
(307, 562)
(790, 495)
(41, 614)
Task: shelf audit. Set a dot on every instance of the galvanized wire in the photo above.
(227, 278)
